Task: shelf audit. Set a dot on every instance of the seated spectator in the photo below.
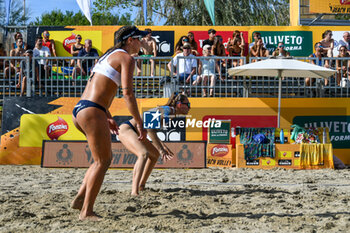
(75, 48)
(280, 51)
(180, 44)
(235, 47)
(42, 51)
(318, 54)
(207, 69)
(343, 66)
(193, 43)
(258, 50)
(2, 54)
(210, 41)
(185, 68)
(218, 49)
(327, 43)
(256, 36)
(345, 41)
(23, 73)
(149, 49)
(85, 65)
(16, 37)
(47, 42)
(14, 68)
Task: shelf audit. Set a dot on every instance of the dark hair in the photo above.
(78, 35)
(325, 33)
(175, 97)
(148, 30)
(316, 44)
(235, 34)
(343, 46)
(38, 38)
(211, 31)
(179, 44)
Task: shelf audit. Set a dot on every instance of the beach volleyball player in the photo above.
(147, 153)
(91, 116)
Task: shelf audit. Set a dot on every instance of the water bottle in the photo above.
(324, 136)
(281, 136)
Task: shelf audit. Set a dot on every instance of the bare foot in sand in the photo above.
(134, 194)
(93, 217)
(142, 187)
(77, 203)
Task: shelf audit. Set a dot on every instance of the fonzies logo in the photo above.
(68, 42)
(219, 151)
(56, 129)
(345, 2)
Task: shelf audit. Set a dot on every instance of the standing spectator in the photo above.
(23, 72)
(318, 54)
(280, 51)
(149, 49)
(235, 47)
(179, 45)
(207, 69)
(327, 43)
(342, 66)
(75, 48)
(186, 68)
(85, 65)
(47, 42)
(42, 51)
(14, 64)
(258, 50)
(193, 43)
(16, 37)
(345, 41)
(210, 41)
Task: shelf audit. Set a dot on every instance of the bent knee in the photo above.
(103, 163)
(144, 155)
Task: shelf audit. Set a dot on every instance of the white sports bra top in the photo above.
(103, 67)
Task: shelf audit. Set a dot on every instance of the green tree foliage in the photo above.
(193, 12)
(16, 13)
(58, 18)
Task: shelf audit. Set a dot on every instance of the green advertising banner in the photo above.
(297, 43)
(339, 127)
(220, 135)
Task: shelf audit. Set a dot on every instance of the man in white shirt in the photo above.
(345, 41)
(184, 68)
(42, 51)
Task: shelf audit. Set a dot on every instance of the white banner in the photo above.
(85, 6)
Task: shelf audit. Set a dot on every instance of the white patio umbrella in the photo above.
(281, 67)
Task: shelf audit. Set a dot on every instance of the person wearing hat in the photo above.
(92, 117)
(23, 75)
(185, 68)
(210, 41)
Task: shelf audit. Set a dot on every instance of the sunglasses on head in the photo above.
(188, 104)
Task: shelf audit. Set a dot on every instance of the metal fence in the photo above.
(51, 76)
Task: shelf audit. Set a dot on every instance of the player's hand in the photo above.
(113, 126)
(166, 153)
(142, 132)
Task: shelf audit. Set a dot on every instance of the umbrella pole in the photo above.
(279, 97)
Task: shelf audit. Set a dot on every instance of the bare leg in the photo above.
(138, 67)
(205, 81)
(212, 84)
(151, 162)
(152, 66)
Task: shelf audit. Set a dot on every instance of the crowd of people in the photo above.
(198, 69)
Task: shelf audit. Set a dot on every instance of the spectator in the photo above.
(75, 48)
(85, 65)
(206, 68)
(2, 54)
(23, 73)
(185, 68)
(149, 49)
(343, 66)
(328, 44)
(258, 50)
(210, 41)
(42, 51)
(280, 51)
(193, 43)
(235, 47)
(47, 42)
(318, 54)
(17, 36)
(345, 41)
(218, 49)
(180, 44)
(256, 36)
(14, 64)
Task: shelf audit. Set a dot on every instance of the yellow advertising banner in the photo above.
(330, 6)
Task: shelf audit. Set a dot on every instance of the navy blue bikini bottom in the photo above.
(85, 104)
(131, 126)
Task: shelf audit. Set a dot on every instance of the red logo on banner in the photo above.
(219, 151)
(345, 2)
(68, 42)
(56, 129)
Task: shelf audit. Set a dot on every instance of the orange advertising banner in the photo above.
(77, 154)
(330, 6)
(219, 155)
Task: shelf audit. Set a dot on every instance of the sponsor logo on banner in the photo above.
(219, 151)
(268, 162)
(151, 120)
(330, 6)
(285, 162)
(252, 163)
(297, 154)
(68, 42)
(64, 155)
(56, 129)
(285, 154)
(297, 43)
(339, 127)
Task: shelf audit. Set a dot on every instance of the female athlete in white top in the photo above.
(91, 115)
